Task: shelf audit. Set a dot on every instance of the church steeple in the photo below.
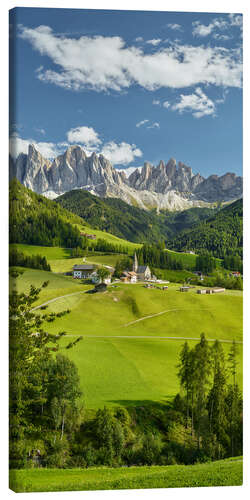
(135, 263)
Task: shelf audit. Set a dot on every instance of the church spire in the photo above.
(135, 263)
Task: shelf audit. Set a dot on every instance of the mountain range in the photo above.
(167, 186)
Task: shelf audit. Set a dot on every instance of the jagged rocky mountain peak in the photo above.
(166, 185)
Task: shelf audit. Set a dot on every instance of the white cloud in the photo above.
(236, 20)
(166, 104)
(120, 154)
(174, 26)
(139, 39)
(197, 103)
(220, 36)
(154, 41)
(107, 63)
(84, 135)
(156, 102)
(18, 145)
(205, 30)
(139, 124)
(154, 125)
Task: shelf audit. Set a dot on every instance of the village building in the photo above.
(235, 274)
(184, 288)
(143, 273)
(83, 271)
(129, 277)
(218, 290)
(89, 236)
(201, 290)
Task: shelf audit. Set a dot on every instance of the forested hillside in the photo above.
(132, 223)
(222, 234)
(115, 216)
(36, 220)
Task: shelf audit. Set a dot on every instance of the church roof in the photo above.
(141, 269)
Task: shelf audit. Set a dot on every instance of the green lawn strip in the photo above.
(58, 285)
(221, 473)
(51, 253)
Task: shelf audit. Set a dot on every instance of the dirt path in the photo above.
(57, 298)
(147, 337)
(152, 316)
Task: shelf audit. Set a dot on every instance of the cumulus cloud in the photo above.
(142, 122)
(197, 103)
(120, 154)
(106, 63)
(220, 36)
(139, 39)
(84, 135)
(203, 30)
(154, 125)
(18, 145)
(236, 20)
(154, 41)
(174, 26)
(166, 104)
(156, 102)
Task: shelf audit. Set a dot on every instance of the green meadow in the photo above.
(227, 472)
(110, 238)
(132, 336)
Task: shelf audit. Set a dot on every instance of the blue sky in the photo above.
(134, 86)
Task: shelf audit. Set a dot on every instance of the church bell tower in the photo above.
(135, 263)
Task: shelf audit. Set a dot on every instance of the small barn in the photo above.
(201, 291)
(209, 291)
(184, 288)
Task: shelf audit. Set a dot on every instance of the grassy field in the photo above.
(58, 285)
(221, 473)
(125, 356)
(51, 253)
(60, 258)
(110, 238)
(186, 258)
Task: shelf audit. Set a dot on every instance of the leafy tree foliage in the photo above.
(216, 407)
(102, 273)
(36, 377)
